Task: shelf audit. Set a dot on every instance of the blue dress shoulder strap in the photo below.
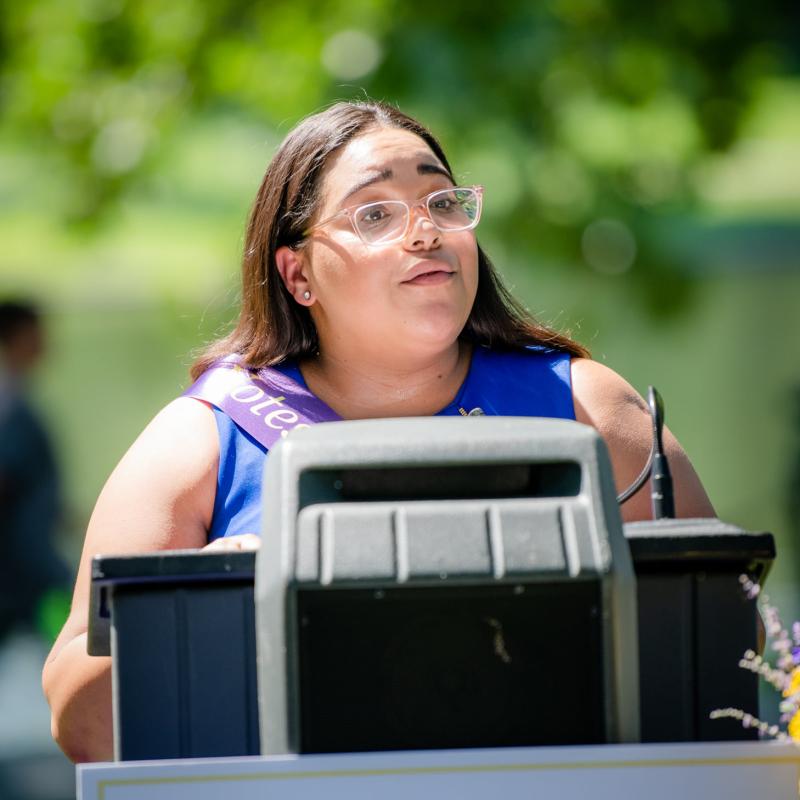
(237, 507)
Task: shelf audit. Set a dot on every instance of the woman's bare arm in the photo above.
(160, 496)
(609, 403)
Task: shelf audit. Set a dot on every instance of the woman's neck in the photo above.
(358, 387)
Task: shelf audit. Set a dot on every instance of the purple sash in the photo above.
(264, 402)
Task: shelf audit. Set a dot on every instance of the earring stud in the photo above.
(306, 295)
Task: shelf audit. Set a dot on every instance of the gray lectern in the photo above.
(444, 583)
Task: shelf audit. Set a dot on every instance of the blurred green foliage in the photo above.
(571, 111)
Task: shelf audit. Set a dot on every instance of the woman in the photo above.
(364, 288)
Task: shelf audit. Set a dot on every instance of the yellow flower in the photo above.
(794, 727)
(794, 684)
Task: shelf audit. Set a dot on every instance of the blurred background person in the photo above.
(32, 574)
(34, 579)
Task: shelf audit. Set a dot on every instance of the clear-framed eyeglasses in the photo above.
(387, 221)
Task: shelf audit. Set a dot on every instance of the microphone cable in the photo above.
(661, 492)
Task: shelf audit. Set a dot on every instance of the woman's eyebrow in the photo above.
(423, 168)
(383, 175)
(433, 169)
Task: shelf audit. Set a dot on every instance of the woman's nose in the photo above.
(421, 230)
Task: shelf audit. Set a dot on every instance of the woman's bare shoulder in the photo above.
(166, 480)
(602, 395)
(184, 432)
(605, 400)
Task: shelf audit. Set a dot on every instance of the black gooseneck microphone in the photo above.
(661, 494)
(657, 467)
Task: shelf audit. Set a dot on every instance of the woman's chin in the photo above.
(434, 334)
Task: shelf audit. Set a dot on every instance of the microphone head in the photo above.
(656, 413)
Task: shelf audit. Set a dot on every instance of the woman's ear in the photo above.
(292, 269)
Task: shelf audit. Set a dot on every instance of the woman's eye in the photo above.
(443, 204)
(374, 215)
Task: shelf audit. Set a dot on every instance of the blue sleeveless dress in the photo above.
(534, 382)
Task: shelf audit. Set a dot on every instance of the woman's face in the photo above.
(412, 294)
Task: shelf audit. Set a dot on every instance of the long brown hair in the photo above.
(271, 326)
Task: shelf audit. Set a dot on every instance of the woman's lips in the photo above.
(429, 272)
(432, 278)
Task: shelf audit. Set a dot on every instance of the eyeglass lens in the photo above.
(451, 209)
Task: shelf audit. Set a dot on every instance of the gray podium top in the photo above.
(440, 503)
